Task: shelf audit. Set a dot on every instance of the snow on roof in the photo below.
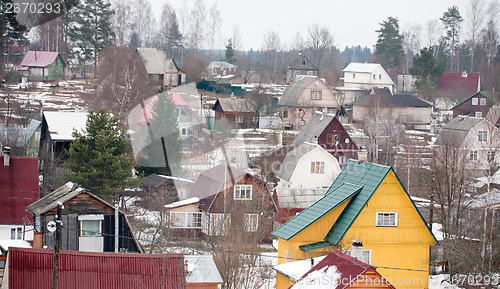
(361, 67)
(62, 124)
(153, 59)
(201, 269)
(316, 278)
(6, 244)
(295, 270)
(182, 203)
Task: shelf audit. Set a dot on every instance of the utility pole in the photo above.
(57, 237)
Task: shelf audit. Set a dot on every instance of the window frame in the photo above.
(238, 188)
(475, 101)
(317, 167)
(316, 95)
(482, 101)
(190, 220)
(239, 118)
(473, 155)
(482, 136)
(382, 222)
(304, 63)
(478, 114)
(251, 226)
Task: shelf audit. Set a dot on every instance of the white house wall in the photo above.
(302, 176)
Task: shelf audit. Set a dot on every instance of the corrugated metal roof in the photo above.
(454, 81)
(153, 59)
(313, 213)
(32, 268)
(294, 90)
(39, 58)
(314, 127)
(211, 181)
(384, 97)
(202, 269)
(236, 105)
(298, 197)
(61, 123)
(455, 131)
(19, 187)
(349, 268)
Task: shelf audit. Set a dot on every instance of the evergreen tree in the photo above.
(389, 46)
(163, 153)
(229, 51)
(98, 159)
(451, 20)
(426, 71)
(11, 31)
(90, 29)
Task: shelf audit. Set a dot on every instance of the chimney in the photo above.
(464, 73)
(357, 249)
(312, 262)
(6, 156)
(362, 154)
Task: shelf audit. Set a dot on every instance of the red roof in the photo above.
(466, 83)
(349, 268)
(39, 58)
(18, 189)
(32, 268)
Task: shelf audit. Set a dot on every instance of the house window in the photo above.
(479, 114)
(19, 233)
(90, 228)
(316, 95)
(482, 136)
(490, 155)
(219, 224)
(317, 167)
(303, 63)
(251, 222)
(16, 233)
(239, 118)
(185, 220)
(284, 114)
(354, 75)
(243, 192)
(183, 131)
(332, 139)
(374, 76)
(482, 101)
(380, 76)
(474, 101)
(387, 219)
(473, 155)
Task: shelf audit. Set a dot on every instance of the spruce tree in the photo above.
(389, 47)
(98, 156)
(426, 71)
(229, 51)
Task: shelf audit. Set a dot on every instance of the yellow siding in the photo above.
(405, 246)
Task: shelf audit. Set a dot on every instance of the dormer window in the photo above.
(303, 63)
(354, 75)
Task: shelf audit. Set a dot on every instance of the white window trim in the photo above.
(186, 220)
(396, 219)
(99, 234)
(315, 164)
(482, 136)
(239, 186)
(247, 223)
(90, 217)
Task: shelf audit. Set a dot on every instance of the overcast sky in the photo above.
(352, 22)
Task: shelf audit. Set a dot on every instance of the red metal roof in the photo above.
(453, 82)
(349, 268)
(18, 189)
(32, 268)
(39, 58)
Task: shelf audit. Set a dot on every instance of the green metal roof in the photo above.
(483, 93)
(313, 246)
(317, 210)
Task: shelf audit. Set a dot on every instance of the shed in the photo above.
(43, 66)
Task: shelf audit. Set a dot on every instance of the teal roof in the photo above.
(357, 178)
(317, 210)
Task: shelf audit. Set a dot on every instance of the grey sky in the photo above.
(351, 22)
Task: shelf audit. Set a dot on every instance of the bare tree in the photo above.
(122, 21)
(411, 43)
(214, 23)
(144, 22)
(197, 26)
(319, 41)
(433, 30)
(475, 17)
(271, 61)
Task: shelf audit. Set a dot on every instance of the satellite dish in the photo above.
(51, 226)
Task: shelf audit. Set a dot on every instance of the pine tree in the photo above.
(90, 29)
(389, 47)
(98, 159)
(11, 31)
(164, 152)
(451, 20)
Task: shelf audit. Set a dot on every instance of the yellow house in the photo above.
(366, 202)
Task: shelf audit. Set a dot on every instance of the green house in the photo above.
(42, 66)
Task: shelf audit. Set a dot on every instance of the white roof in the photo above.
(295, 270)
(182, 203)
(61, 124)
(6, 244)
(362, 67)
(201, 269)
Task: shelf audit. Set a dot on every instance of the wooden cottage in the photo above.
(42, 66)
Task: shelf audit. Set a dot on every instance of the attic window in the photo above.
(474, 101)
(387, 219)
(354, 75)
(303, 63)
(317, 167)
(316, 95)
(482, 101)
(243, 192)
(482, 136)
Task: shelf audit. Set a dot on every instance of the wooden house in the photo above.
(403, 108)
(42, 66)
(477, 105)
(335, 270)
(237, 113)
(301, 66)
(302, 98)
(161, 70)
(89, 221)
(231, 200)
(366, 202)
